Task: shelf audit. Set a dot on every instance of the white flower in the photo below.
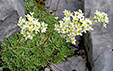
(31, 35)
(84, 24)
(76, 13)
(63, 35)
(104, 25)
(65, 30)
(38, 24)
(20, 24)
(70, 31)
(56, 27)
(70, 36)
(31, 28)
(65, 12)
(30, 18)
(36, 28)
(31, 13)
(74, 23)
(23, 32)
(43, 29)
(60, 22)
(66, 19)
(73, 40)
(60, 30)
(63, 25)
(26, 36)
(68, 39)
(75, 32)
(21, 20)
(69, 24)
(75, 18)
(78, 26)
(56, 17)
(80, 11)
(79, 32)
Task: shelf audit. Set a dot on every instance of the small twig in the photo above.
(48, 28)
(57, 7)
(57, 40)
(47, 38)
(19, 40)
(51, 68)
(57, 67)
(50, 4)
(51, 9)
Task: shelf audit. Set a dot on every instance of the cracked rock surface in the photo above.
(102, 39)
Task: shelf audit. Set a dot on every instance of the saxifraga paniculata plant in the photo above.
(45, 40)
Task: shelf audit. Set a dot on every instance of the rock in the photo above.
(88, 48)
(72, 5)
(10, 11)
(9, 25)
(104, 62)
(101, 38)
(73, 63)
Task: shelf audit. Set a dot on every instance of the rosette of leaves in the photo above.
(27, 55)
(30, 55)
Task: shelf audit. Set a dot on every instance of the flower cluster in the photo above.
(73, 24)
(31, 27)
(101, 17)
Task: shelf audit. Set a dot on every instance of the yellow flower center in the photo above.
(63, 25)
(68, 39)
(61, 22)
(67, 20)
(69, 14)
(84, 24)
(31, 34)
(79, 31)
(20, 25)
(60, 29)
(100, 19)
(21, 21)
(73, 40)
(78, 27)
(69, 24)
(23, 32)
(35, 21)
(74, 23)
(31, 29)
(84, 28)
(75, 33)
(70, 31)
(81, 21)
(31, 23)
(74, 18)
(35, 28)
(42, 28)
(65, 29)
(70, 36)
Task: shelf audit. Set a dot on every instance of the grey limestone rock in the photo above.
(10, 11)
(102, 39)
(73, 63)
(72, 5)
